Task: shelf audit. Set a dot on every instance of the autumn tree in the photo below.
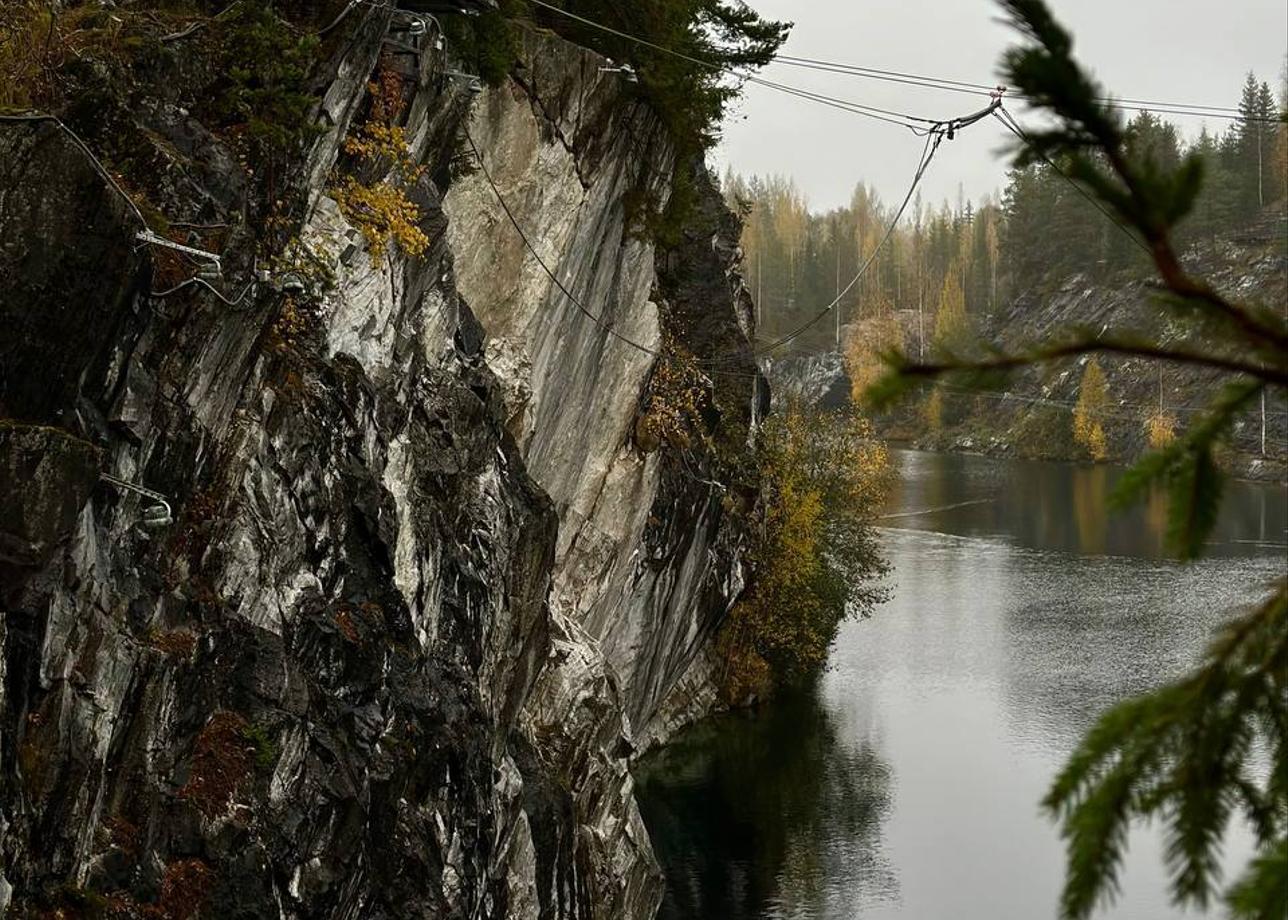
(816, 560)
(1160, 425)
(1089, 413)
(866, 341)
(951, 324)
(1160, 429)
(932, 411)
(992, 250)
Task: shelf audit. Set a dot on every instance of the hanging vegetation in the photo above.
(817, 559)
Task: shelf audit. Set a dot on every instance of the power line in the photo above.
(518, 228)
(1168, 108)
(933, 130)
(94, 161)
(928, 152)
(908, 121)
(1195, 109)
(201, 282)
(147, 236)
(934, 137)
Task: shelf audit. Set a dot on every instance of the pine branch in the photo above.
(1182, 753)
(1262, 892)
(904, 374)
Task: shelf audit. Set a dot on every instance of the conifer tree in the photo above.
(1250, 148)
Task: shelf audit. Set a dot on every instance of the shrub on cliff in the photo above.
(372, 194)
(816, 559)
(264, 92)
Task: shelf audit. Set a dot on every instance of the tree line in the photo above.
(962, 259)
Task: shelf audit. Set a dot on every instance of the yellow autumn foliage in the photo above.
(380, 208)
(866, 341)
(1160, 429)
(383, 213)
(1089, 413)
(952, 326)
(816, 559)
(932, 412)
(677, 392)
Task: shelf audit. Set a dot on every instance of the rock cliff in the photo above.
(424, 593)
(1035, 417)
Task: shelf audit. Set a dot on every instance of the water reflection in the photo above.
(905, 786)
(737, 809)
(1063, 506)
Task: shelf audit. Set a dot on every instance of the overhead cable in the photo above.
(98, 166)
(518, 228)
(907, 121)
(935, 135)
(960, 86)
(934, 138)
(202, 282)
(1195, 109)
(927, 154)
(146, 236)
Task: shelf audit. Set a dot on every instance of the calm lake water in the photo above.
(905, 784)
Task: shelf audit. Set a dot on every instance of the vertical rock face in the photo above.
(646, 560)
(423, 594)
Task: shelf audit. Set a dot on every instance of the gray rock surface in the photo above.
(1036, 420)
(817, 381)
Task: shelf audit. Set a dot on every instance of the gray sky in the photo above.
(1187, 51)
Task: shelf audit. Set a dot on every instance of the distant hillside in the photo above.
(1033, 416)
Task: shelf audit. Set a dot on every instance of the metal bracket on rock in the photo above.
(155, 516)
(154, 239)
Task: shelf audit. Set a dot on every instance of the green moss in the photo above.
(265, 748)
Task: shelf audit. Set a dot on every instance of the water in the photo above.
(905, 784)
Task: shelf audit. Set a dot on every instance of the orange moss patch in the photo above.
(221, 761)
(177, 643)
(184, 888)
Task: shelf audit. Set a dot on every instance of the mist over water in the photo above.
(906, 782)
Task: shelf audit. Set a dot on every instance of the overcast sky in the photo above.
(1186, 51)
